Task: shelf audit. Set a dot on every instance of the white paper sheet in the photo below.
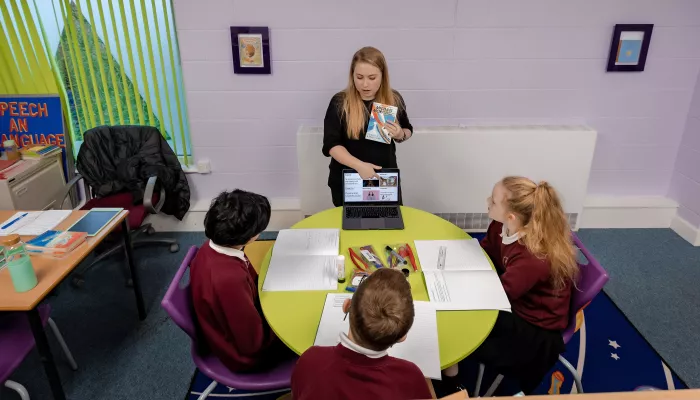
(304, 259)
(466, 290)
(462, 255)
(420, 347)
(35, 222)
(321, 242)
(294, 273)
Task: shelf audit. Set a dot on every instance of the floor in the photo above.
(654, 277)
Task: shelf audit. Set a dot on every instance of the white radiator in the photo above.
(450, 171)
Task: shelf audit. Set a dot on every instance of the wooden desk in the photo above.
(50, 273)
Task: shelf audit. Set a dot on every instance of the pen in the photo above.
(395, 254)
(13, 221)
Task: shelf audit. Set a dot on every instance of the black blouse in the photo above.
(335, 133)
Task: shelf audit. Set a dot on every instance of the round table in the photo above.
(294, 316)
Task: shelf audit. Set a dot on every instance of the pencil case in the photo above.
(369, 256)
(405, 257)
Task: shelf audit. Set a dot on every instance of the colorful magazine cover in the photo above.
(55, 242)
(380, 115)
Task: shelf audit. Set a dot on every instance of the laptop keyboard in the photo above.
(371, 212)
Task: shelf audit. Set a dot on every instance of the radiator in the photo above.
(450, 171)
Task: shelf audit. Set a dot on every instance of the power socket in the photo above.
(204, 166)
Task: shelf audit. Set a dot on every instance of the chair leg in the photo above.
(64, 346)
(21, 390)
(494, 386)
(479, 377)
(574, 373)
(207, 391)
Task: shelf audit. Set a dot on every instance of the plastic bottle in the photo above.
(18, 262)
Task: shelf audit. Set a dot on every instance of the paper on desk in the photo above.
(421, 344)
(466, 290)
(307, 241)
(462, 255)
(35, 222)
(294, 272)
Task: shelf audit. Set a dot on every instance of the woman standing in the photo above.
(346, 120)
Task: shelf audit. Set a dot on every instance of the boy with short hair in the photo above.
(381, 314)
(225, 285)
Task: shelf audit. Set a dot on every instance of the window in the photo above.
(116, 62)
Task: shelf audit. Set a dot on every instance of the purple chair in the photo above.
(591, 280)
(17, 340)
(178, 304)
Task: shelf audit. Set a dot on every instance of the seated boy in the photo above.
(225, 285)
(380, 313)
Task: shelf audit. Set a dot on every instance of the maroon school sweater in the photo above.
(526, 280)
(225, 298)
(341, 374)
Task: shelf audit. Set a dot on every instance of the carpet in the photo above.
(607, 351)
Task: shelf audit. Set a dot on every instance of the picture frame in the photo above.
(629, 47)
(250, 47)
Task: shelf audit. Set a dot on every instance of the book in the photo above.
(303, 259)
(55, 243)
(379, 116)
(38, 152)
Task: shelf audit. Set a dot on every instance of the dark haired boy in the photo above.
(225, 285)
(381, 313)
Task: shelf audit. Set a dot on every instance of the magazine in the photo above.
(380, 115)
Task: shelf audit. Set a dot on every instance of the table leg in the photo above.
(42, 345)
(129, 250)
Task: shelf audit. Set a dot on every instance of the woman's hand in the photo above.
(367, 170)
(395, 131)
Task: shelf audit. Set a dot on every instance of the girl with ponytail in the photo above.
(529, 242)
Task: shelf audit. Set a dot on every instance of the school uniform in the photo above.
(526, 343)
(335, 132)
(349, 371)
(230, 321)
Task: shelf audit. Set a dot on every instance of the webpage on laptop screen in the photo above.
(359, 190)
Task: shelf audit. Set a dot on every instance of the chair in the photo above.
(17, 340)
(137, 216)
(592, 278)
(178, 304)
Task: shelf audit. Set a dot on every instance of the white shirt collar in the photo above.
(349, 344)
(229, 251)
(508, 239)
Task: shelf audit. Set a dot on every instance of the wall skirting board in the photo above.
(598, 212)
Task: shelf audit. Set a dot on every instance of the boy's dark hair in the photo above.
(236, 217)
(381, 312)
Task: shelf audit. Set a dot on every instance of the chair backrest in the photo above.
(177, 301)
(592, 278)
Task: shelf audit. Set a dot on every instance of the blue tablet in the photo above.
(95, 220)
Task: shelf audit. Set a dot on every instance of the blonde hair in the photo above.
(546, 232)
(354, 109)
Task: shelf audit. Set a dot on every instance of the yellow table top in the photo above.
(294, 316)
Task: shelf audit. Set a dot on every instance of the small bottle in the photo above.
(18, 263)
(340, 267)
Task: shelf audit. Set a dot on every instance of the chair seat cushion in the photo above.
(137, 212)
(16, 339)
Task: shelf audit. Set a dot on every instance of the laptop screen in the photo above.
(358, 190)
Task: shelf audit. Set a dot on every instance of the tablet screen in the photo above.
(94, 220)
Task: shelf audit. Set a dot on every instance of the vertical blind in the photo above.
(114, 62)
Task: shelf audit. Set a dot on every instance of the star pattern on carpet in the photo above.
(614, 356)
(230, 389)
(613, 344)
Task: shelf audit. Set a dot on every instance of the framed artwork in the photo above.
(629, 47)
(251, 49)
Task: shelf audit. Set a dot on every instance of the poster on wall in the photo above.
(35, 120)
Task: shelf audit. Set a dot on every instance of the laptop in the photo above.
(371, 203)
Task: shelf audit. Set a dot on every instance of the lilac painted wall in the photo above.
(466, 61)
(685, 184)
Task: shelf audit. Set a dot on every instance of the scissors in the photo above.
(355, 258)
